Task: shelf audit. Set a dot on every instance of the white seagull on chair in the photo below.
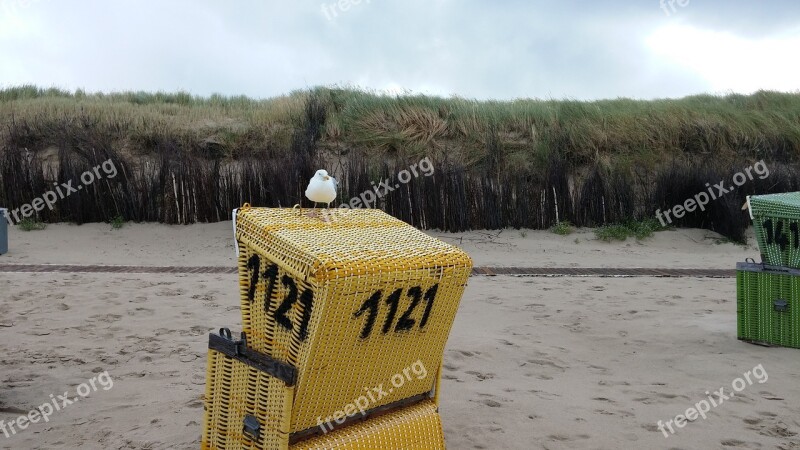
(322, 188)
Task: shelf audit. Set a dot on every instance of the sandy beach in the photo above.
(532, 363)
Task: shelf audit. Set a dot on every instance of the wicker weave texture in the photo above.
(776, 220)
(235, 390)
(353, 303)
(785, 205)
(345, 243)
(417, 427)
(759, 318)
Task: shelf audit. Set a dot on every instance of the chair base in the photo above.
(248, 406)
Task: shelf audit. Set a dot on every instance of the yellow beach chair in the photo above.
(345, 318)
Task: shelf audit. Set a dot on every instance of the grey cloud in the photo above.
(505, 49)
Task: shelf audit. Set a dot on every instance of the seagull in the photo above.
(322, 188)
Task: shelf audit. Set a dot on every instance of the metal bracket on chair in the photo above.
(224, 343)
(252, 428)
(231, 346)
(781, 305)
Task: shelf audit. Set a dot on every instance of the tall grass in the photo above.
(523, 163)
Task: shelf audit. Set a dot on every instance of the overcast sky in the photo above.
(478, 49)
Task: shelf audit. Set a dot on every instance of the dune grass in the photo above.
(523, 163)
(527, 131)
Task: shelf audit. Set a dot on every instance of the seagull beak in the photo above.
(326, 178)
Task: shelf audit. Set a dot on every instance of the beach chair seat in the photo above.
(249, 397)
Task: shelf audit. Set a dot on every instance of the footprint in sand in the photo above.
(196, 403)
(146, 312)
(509, 343)
(195, 331)
(207, 297)
(774, 428)
(770, 396)
(670, 396)
(779, 430)
(170, 292)
(450, 367)
(108, 296)
(544, 362)
(752, 421)
(534, 306)
(109, 318)
(563, 438)
(480, 376)
(733, 443)
(544, 395)
(494, 301)
(651, 427)
(598, 369)
(460, 355)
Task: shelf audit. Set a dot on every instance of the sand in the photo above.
(531, 363)
(212, 245)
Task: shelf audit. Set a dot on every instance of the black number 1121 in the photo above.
(372, 305)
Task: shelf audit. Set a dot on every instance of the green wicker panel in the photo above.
(759, 291)
(776, 219)
(747, 310)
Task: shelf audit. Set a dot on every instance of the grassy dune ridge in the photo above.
(185, 158)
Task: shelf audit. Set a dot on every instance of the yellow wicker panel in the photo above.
(235, 390)
(417, 427)
(353, 303)
(345, 243)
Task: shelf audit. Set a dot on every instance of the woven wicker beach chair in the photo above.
(345, 319)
